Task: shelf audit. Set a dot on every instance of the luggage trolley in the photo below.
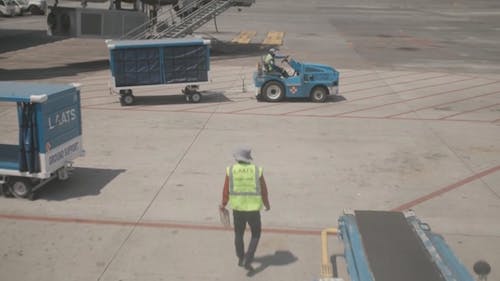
(50, 136)
(140, 63)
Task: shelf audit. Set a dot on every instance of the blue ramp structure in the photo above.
(139, 63)
(394, 246)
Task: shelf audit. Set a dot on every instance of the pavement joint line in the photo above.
(469, 111)
(407, 100)
(397, 76)
(134, 227)
(302, 115)
(389, 77)
(406, 82)
(451, 91)
(446, 189)
(392, 92)
(151, 224)
(359, 75)
(256, 107)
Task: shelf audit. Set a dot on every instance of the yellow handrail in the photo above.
(326, 265)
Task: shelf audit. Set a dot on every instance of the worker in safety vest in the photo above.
(270, 64)
(246, 191)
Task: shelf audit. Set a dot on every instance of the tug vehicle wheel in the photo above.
(273, 91)
(318, 94)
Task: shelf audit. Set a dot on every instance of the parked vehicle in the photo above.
(21, 7)
(7, 8)
(37, 7)
(314, 81)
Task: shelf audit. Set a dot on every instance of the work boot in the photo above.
(241, 261)
(252, 247)
(249, 267)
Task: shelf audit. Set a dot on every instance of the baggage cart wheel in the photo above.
(127, 99)
(318, 94)
(195, 97)
(5, 190)
(273, 91)
(21, 188)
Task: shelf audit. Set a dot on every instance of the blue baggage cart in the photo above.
(50, 136)
(140, 63)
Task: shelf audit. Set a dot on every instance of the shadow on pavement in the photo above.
(71, 69)
(279, 258)
(170, 98)
(13, 40)
(226, 49)
(329, 98)
(82, 182)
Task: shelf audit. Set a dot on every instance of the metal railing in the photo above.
(177, 21)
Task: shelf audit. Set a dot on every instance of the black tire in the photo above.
(126, 97)
(318, 94)
(195, 97)
(5, 190)
(273, 91)
(21, 188)
(34, 10)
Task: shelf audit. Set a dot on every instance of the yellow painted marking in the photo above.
(274, 38)
(244, 37)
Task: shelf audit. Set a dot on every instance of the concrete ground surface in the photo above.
(416, 126)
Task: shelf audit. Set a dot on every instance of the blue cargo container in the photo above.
(135, 63)
(50, 135)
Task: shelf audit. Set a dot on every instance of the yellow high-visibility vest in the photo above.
(244, 187)
(268, 62)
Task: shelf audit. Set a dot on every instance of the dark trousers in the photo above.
(240, 219)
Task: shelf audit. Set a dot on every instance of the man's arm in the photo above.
(225, 193)
(264, 193)
(278, 56)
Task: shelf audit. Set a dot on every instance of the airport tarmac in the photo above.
(416, 126)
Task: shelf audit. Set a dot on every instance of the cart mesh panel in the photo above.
(186, 64)
(139, 66)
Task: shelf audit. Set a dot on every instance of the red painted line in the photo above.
(289, 231)
(448, 188)
(468, 111)
(94, 97)
(435, 105)
(437, 119)
(98, 104)
(399, 102)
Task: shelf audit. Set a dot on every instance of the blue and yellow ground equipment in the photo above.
(307, 80)
(393, 246)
